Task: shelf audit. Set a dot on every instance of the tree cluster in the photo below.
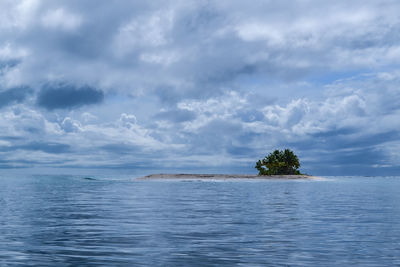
(279, 162)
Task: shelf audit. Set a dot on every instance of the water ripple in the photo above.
(68, 220)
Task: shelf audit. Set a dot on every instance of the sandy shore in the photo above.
(222, 176)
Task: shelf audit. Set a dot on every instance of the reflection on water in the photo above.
(70, 220)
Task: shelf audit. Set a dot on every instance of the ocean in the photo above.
(72, 220)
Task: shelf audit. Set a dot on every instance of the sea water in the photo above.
(57, 220)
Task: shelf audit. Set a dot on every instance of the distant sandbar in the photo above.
(222, 176)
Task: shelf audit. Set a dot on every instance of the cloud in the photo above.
(48, 147)
(198, 49)
(63, 96)
(127, 120)
(176, 115)
(199, 83)
(60, 18)
(69, 125)
(120, 148)
(14, 95)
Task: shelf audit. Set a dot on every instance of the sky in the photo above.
(200, 86)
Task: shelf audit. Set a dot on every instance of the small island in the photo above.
(184, 176)
(280, 164)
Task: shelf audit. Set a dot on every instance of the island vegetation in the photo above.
(279, 162)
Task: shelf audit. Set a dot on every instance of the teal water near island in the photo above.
(60, 220)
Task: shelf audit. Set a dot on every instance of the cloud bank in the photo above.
(200, 85)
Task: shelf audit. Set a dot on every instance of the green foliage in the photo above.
(279, 162)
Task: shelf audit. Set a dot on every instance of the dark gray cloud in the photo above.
(64, 96)
(120, 148)
(239, 150)
(52, 148)
(7, 64)
(14, 95)
(11, 138)
(362, 161)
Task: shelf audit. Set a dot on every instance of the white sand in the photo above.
(222, 176)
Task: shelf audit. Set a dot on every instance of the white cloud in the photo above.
(260, 31)
(146, 31)
(9, 52)
(163, 58)
(127, 120)
(88, 117)
(203, 80)
(61, 19)
(69, 125)
(17, 15)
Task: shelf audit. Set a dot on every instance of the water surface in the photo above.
(71, 220)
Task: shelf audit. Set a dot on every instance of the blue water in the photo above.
(117, 221)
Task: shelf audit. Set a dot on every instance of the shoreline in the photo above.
(185, 176)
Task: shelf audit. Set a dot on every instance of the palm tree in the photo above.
(291, 161)
(279, 163)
